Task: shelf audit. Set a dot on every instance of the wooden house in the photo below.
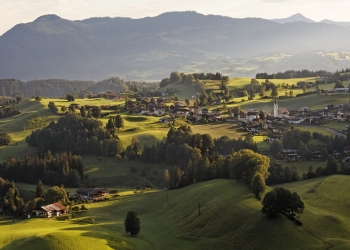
(55, 209)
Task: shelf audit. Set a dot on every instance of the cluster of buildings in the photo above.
(298, 116)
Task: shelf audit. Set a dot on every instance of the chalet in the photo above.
(55, 209)
(159, 111)
(98, 192)
(273, 137)
(216, 102)
(341, 90)
(283, 113)
(202, 111)
(293, 111)
(251, 115)
(290, 155)
(294, 120)
(320, 112)
(112, 96)
(242, 116)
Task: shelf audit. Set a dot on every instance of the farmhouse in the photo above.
(112, 96)
(341, 90)
(55, 209)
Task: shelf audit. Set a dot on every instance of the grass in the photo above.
(230, 219)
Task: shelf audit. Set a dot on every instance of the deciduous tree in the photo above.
(132, 223)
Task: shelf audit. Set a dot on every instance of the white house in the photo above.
(159, 111)
(341, 90)
(251, 115)
(242, 116)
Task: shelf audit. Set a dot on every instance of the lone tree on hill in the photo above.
(132, 223)
(119, 122)
(281, 200)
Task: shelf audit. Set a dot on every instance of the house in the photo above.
(293, 111)
(251, 115)
(55, 209)
(346, 150)
(98, 192)
(159, 111)
(112, 96)
(295, 121)
(242, 116)
(341, 90)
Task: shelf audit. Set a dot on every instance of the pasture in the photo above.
(230, 218)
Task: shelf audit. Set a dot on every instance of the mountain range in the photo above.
(152, 47)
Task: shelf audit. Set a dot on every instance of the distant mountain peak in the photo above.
(47, 18)
(294, 18)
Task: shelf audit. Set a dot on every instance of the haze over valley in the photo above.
(149, 48)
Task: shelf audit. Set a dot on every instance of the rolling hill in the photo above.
(230, 219)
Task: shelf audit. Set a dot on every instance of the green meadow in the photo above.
(230, 218)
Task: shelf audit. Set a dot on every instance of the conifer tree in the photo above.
(39, 193)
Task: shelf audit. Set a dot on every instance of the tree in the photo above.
(187, 102)
(166, 178)
(132, 223)
(56, 194)
(5, 139)
(70, 97)
(96, 112)
(189, 79)
(281, 200)
(175, 77)
(246, 162)
(258, 185)
(276, 148)
(274, 91)
(119, 122)
(39, 193)
(331, 165)
(304, 88)
(110, 126)
(82, 111)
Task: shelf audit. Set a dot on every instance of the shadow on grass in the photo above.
(32, 242)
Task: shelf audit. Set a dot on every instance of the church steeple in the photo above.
(275, 108)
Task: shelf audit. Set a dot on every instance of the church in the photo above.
(279, 112)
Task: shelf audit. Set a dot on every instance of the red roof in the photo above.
(54, 207)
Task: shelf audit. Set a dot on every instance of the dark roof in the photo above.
(84, 191)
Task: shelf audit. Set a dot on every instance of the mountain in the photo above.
(345, 24)
(294, 18)
(152, 47)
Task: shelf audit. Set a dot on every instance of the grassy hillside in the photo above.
(230, 219)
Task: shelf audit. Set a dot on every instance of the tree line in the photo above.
(189, 79)
(293, 74)
(62, 87)
(76, 134)
(65, 168)
(198, 157)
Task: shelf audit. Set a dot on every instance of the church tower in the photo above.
(275, 109)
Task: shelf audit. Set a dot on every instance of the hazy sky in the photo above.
(13, 12)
